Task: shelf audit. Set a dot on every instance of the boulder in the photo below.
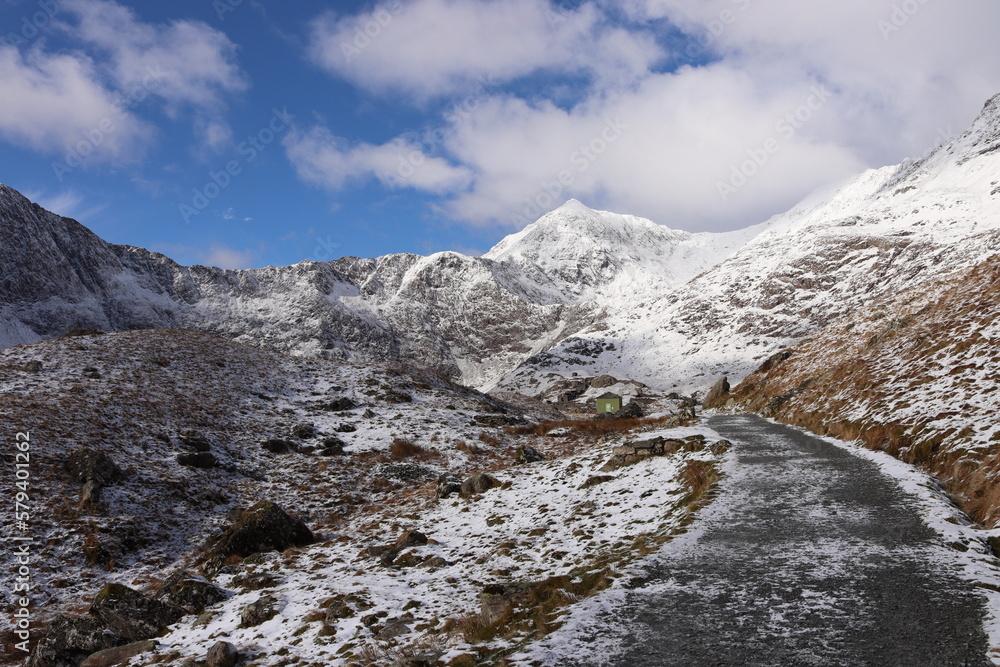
(632, 410)
(278, 446)
(716, 395)
(120, 654)
(332, 447)
(222, 654)
(527, 454)
(261, 611)
(305, 431)
(346, 428)
(411, 538)
(479, 483)
(33, 367)
(261, 528)
(603, 381)
(203, 460)
(447, 485)
(497, 421)
(70, 640)
(338, 405)
(195, 441)
(131, 615)
(91, 465)
(190, 592)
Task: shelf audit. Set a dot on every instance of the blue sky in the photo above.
(252, 132)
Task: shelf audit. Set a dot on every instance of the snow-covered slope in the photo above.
(578, 291)
(471, 319)
(882, 232)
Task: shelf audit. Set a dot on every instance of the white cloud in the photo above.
(55, 103)
(86, 101)
(332, 162)
(183, 62)
(895, 77)
(435, 47)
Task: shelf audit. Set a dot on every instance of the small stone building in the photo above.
(609, 403)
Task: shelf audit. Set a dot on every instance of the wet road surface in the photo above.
(808, 556)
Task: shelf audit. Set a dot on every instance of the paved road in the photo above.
(809, 556)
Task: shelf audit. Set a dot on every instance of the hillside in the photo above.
(145, 445)
(915, 375)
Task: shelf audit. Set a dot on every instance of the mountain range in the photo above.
(578, 292)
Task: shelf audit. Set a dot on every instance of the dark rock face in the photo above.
(480, 483)
(264, 527)
(189, 592)
(717, 394)
(131, 615)
(527, 454)
(70, 640)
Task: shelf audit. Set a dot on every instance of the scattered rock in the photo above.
(396, 397)
(261, 611)
(497, 421)
(264, 527)
(196, 441)
(91, 493)
(204, 460)
(305, 431)
(411, 538)
(278, 446)
(720, 447)
(332, 447)
(131, 615)
(257, 581)
(368, 414)
(603, 381)
(91, 465)
(393, 629)
(346, 428)
(527, 454)
(774, 360)
(338, 405)
(70, 640)
(717, 394)
(632, 410)
(34, 366)
(222, 654)
(190, 592)
(595, 480)
(447, 485)
(479, 483)
(118, 655)
(91, 373)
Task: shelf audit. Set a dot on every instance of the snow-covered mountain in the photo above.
(472, 319)
(577, 292)
(884, 230)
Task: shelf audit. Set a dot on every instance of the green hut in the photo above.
(609, 403)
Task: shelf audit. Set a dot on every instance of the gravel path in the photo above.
(808, 556)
